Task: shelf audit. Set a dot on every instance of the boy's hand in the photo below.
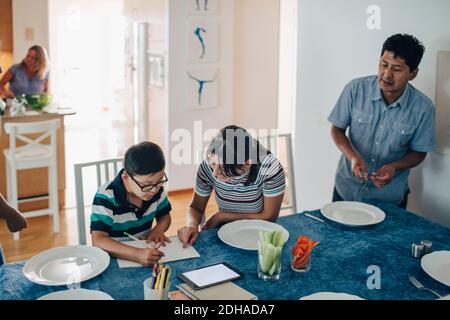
(15, 220)
(188, 235)
(148, 256)
(155, 238)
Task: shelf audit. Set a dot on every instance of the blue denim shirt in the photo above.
(21, 84)
(381, 134)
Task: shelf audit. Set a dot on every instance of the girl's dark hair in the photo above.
(234, 146)
(143, 159)
(406, 47)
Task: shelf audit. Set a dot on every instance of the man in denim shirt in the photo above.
(391, 127)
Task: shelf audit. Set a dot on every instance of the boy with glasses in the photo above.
(129, 203)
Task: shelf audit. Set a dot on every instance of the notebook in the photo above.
(223, 291)
(173, 251)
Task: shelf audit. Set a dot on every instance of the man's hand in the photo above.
(383, 176)
(359, 168)
(147, 257)
(188, 235)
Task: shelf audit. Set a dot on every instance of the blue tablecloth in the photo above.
(339, 263)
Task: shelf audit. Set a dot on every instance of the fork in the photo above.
(418, 285)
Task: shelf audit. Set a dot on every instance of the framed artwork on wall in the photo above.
(203, 7)
(203, 41)
(203, 87)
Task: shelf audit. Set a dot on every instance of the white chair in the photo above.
(33, 154)
(105, 170)
(2, 256)
(281, 146)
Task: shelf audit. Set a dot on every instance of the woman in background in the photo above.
(28, 77)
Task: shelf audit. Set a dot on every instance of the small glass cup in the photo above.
(266, 275)
(305, 267)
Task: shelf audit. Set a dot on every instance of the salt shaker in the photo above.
(427, 246)
(417, 250)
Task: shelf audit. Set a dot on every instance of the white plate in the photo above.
(66, 265)
(331, 296)
(244, 234)
(437, 265)
(354, 214)
(77, 294)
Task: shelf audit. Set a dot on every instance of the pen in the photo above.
(132, 237)
(153, 281)
(139, 240)
(158, 280)
(167, 278)
(163, 278)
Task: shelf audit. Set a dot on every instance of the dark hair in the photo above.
(234, 146)
(143, 159)
(406, 47)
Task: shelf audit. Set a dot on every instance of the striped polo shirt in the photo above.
(234, 196)
(112, 213)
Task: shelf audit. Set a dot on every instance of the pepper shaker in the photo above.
(417, 250)
(427, 246)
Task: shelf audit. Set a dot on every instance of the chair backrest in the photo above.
(19, 130)
(2, 257)
(281, 146)
(105, 170)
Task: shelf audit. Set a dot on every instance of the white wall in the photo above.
(256, 63)
(182, 176)
(335, 46)
(287, 95)
(249, 50)
(31, 15)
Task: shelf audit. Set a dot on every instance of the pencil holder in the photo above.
(155, 294)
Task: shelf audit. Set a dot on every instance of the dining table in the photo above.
(372, 262)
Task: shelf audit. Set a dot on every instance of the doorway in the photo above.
(87, 46)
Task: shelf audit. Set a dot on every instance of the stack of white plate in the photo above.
(437, 265)
(66, 265)
(331, 296)
(77, 294)
(353, 214)
(244, 234)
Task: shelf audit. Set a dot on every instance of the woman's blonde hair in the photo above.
(41, 60)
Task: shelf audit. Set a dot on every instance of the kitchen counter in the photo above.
(33, 182)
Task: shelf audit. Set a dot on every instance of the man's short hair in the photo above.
(407, 47)
(143, 159)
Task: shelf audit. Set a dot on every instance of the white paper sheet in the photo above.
(173, 251)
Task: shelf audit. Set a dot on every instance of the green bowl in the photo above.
(38, 101)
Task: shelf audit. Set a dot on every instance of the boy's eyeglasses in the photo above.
(149, 187)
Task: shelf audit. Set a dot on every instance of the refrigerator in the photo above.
(137, 75)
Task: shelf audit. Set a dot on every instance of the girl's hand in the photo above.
(157, 238)
(188, 235)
